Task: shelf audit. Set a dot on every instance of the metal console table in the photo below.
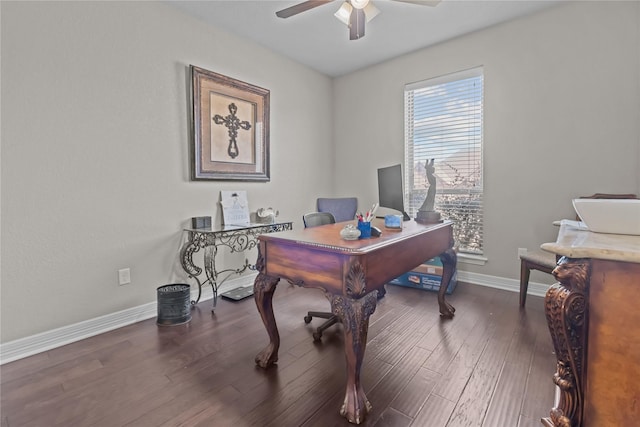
(238, 238)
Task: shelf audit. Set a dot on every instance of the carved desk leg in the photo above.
(354, 315)
(449, 261)
(353, 309)
(566, 309)
(263, 289)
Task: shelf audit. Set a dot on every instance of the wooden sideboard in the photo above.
(593, 314)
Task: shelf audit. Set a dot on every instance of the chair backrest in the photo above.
(315, 219)
(342, 208)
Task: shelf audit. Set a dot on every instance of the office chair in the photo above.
(342, 208)
(315, 219)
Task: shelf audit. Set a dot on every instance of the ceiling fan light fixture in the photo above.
(344, 13)
(353, 13)
(359, 4)
(370, 11)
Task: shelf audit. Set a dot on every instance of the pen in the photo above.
(373, 209)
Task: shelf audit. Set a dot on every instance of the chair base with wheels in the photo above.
(332, 319)
(314, 219)
(534, 260)
(330, 211)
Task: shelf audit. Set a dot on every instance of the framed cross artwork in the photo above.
(230, 125)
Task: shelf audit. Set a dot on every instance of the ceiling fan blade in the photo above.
(356, 24)
(300, 7)
(421, 2)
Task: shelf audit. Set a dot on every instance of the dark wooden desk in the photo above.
(350, 273)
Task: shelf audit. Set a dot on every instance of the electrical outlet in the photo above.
(124, 276)
(521, 251)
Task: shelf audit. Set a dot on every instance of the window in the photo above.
(443, 121)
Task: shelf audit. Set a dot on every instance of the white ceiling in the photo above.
(317, 39)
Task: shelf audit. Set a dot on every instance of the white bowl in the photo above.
(614, 216)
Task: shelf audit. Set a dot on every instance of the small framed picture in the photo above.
(230, 128)
(235, 207)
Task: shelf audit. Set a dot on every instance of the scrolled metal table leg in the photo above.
(192, 270)
(211, 272)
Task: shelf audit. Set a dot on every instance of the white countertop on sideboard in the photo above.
(576, 241)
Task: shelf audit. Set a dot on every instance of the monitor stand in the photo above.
(405, 216)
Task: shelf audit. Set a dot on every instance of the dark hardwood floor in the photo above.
(489, 366)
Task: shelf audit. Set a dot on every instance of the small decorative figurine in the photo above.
(426, 214)
(267, 215)
(350, 232)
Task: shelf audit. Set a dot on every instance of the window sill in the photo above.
(472, 259)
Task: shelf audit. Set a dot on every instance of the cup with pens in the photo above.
(364, 222)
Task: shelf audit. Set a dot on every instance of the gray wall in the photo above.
(95, 136)
(562, 118)
(95, 139)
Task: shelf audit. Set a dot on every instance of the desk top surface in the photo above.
(328, 236)
(575, 241)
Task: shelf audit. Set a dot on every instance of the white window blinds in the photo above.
(443, 121)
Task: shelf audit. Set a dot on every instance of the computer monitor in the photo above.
(390, 191)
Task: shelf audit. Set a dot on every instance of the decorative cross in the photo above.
(233, 123)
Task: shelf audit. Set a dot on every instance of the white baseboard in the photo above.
(34, 344)
(513, 285)
(28, 346)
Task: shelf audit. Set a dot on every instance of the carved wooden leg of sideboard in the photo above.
(567, 312)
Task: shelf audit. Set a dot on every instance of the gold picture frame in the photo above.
(230, 128)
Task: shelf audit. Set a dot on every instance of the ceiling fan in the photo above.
(353, 13)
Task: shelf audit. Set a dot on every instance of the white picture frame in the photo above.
(235, 207)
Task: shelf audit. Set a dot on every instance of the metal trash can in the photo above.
(174, 307)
